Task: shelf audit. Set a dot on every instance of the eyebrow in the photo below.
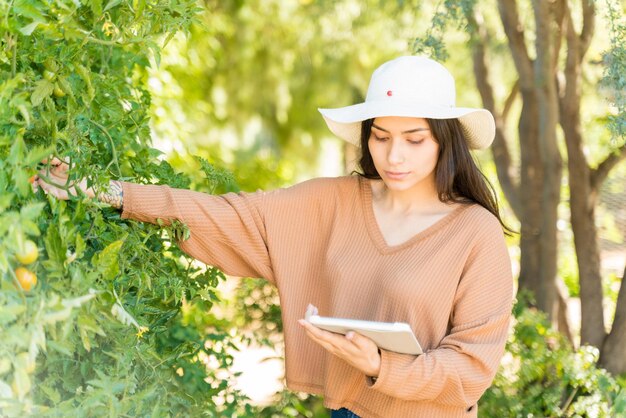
(404, 132)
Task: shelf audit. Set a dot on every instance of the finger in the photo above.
(54, 191)
(360, 341)
(34, 185)
(52, 178)
(325, 344)
(319, 333)
(61, 170)
(337, 341)
(53, 161)
(55, 165)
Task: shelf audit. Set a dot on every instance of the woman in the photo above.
(415, 238)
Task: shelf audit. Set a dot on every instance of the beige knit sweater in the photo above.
(319, 243)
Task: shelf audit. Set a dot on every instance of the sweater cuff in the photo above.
(383, 382)
(127, 205)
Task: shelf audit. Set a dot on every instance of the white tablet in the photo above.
(392, 336)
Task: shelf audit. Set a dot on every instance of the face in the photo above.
(404, 152)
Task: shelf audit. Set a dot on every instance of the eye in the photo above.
(377, 138)
(416, 142)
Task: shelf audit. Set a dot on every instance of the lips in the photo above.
(397, 175)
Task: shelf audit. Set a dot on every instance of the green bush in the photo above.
(541, 376)
(119, 323)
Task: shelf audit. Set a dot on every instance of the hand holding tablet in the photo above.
(392, 336)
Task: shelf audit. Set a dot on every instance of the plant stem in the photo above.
(14, 59)
(113, 150)
(569, 400)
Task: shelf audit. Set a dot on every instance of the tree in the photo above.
(550, 85)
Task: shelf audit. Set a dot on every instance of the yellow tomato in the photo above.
(57, 91)
(27, 278)
(28, 254)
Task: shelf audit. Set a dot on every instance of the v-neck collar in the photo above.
(373, 228)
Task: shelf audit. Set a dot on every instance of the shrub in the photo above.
(119, 322)
(541, 376)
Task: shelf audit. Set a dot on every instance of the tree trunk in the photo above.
(545, 85)
(583, 194)
(535, 199)
(613, 354)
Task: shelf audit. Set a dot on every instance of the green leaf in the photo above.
(79, 246)
(36, 154)
(64, 347)
(96, 7)
(85, 74)
(20, 179)
(54, 244)
(30, 228)
(106, 261)
(5, 201)
(22, 383)
(84, 337)
(28, 29)
(43, 89)
(51, 393)
(32, 211)
(111, 4)
(57, 316)
(17, 151)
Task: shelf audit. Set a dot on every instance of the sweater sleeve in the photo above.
(463, 365)
(226, 231)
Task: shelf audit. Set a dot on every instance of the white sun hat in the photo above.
(411, 86)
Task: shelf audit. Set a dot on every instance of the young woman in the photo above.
(415, 237)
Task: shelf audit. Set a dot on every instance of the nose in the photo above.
(395, 153)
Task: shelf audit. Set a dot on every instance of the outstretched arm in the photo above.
(226, 231)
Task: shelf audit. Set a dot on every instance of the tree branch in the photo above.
(600, 173)
(559, 9)
(515, 34)
(499, 149)
(544, 40)
(589, 25)
(508, 103)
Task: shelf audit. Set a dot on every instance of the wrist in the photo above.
(375, 371)
(114, 195)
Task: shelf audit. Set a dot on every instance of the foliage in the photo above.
(252, 76)
(541, 376)
(289, 404)
(119, 323)
(615, 67)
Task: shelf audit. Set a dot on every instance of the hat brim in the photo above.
(345, 122)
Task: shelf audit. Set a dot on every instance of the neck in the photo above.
(420, 199)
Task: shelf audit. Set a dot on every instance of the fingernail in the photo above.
(349, 335)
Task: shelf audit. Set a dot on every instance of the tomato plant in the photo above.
(119, 323)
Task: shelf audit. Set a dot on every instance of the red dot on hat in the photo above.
(389, 93)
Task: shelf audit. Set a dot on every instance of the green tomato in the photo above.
(51, 65)
(49, 75)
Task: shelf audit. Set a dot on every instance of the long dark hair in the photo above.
(457, 177)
